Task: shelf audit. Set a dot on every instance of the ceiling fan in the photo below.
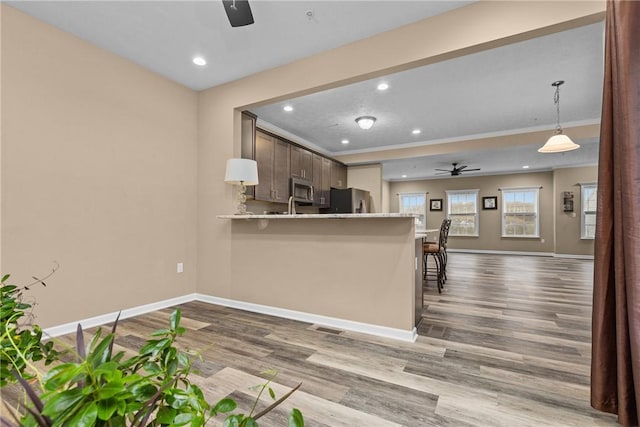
(456, 170)
(238, 12)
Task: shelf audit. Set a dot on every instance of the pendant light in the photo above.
(558, 142)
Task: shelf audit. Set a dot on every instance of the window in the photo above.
(520, 212)
(462, 209)
(588, 204)
(415, 203)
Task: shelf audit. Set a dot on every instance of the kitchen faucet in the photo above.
(292, 206)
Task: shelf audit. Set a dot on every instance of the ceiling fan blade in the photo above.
(238, 12)
(442, 173)
(443, 170)
(462, 167)
(469, 170)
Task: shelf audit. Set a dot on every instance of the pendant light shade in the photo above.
(365, 122)
(559, 142)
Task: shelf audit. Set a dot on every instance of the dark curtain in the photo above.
(615, 366)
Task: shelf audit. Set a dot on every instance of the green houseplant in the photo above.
(100, 388)
(20, 341)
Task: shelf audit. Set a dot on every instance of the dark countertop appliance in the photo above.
(350, 200)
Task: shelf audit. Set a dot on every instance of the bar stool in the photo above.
(437, 251)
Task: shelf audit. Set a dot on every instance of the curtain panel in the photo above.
(615, 366)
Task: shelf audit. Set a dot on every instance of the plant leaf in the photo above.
(32, 394)
(113, 332)
(174, 319)
(86, 417)
(233, 420)
(166, 415)
(295, 418)
(225, 405)
(101, 354)
(59, 375)
(82, 351)
(62, 401)
(182, 419)
(106, 408)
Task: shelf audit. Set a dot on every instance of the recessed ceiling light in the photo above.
(416, 131)
(199, 60)
(287, 108)
(404, 176)
(525, 167)
(345, 141)
(383, 86)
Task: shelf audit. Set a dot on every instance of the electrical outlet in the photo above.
(180, 267)
(541, 240)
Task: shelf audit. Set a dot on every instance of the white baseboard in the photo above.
(333, 322)
(572, 256)
(349, 325)
(549, 254)
(103, 319)
(487, 251)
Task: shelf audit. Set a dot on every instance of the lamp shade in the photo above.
(558, 143)
(241, 171)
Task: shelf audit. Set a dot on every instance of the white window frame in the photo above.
(504, 191)
(583, 211)
(422, 211)
(476, 222)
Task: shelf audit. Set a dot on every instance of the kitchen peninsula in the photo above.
(357, 272)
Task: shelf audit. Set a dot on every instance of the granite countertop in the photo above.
(321, 216)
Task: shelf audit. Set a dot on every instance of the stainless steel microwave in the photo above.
(302, 190)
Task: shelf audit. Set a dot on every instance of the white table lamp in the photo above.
(241, 172)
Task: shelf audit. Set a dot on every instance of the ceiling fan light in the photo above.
(558, 143)
(366, 122)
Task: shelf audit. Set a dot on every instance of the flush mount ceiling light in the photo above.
(345, 141)
(383, 86)
(559, 142)
(287, 108)
(416, 131)
(366, 122)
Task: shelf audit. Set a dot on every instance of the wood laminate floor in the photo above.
(507, 343)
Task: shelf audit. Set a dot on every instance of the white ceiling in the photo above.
(504, 90)
(164, 36)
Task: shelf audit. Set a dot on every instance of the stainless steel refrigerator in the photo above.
(350, 200)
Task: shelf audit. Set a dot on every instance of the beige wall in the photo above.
(489, 237)
(386, 195)
(568, 225)
(559, 232)
(98, 174)
(369, 178)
